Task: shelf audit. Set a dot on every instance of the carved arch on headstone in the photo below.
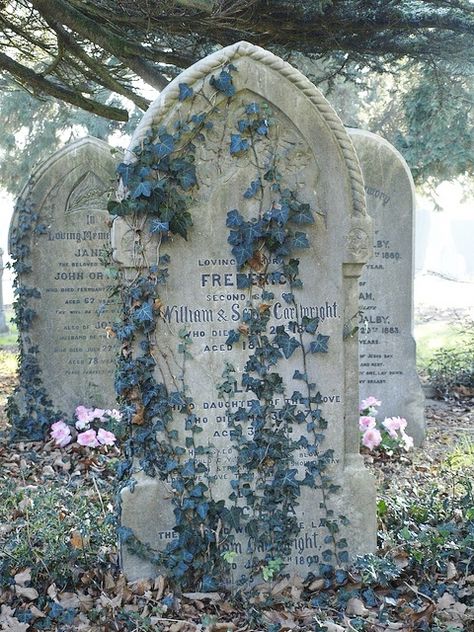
(83, 176)
(203, 68)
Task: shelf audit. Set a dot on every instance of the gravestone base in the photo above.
(148, 512)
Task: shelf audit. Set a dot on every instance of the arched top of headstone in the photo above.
(195, 75)
(79, 174)
(384, 145)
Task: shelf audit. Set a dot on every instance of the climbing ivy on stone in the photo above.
(156, 198)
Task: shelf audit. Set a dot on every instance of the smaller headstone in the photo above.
(62, 224)
(387, 350)
(3, 321)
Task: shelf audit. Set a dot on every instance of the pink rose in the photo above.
(61, 433)
(88, 439)
(392, 424)
(114, 413)
(370, 402)
(366, 422)
(84, 418)
(105, 437)
(371, 438)
(407, 440)
(98, 413)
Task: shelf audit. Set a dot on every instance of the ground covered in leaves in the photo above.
(59, 563)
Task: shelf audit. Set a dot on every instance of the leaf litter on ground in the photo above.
(76, 584)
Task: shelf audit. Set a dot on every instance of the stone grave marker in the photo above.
(387, 350)
(205, 303)
(3, 322)
(61, 228)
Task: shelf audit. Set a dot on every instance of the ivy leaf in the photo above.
(288, 297)
(286, 343)
(234, 336)
(320, 345)
(208, 583)
(165, 147)
(238, 144)
(185, 91)
(176, 399)
(300, 240)
(187, 177)
(304, 215)
(297, 375)
(234, 218)
(262, 128)
(180, 223)
(243, 125)
(143, 188)
(310, 324)
(125, 171)
(157, 226)
(253, 189)
(144, 313)
(243, 281)
(198, 490)
(252, 108)
(278, 233)
(223, 83)
(280, 212)
(202, 510)
(252, 230)
(242, 252)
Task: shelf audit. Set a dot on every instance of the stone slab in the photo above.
(317, 160)
(68, 194)
(387, 346)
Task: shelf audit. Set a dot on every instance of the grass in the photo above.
(433, 336)
(8, 362)
(9, 339)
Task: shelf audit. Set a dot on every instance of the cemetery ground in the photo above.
(59, 561)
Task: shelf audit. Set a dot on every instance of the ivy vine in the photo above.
(29, 408)
(266, 485)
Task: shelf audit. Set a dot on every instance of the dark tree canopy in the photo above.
(89, 53)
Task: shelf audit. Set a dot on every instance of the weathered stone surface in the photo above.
(3, 322)
(387, 347)
(68, 194)
(317, 160)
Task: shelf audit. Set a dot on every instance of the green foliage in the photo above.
(29, 408)
(433, 527)
(436, 111)
(34, 129)
(41, 520)
(454, 367)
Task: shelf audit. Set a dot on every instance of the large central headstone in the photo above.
(387, 346)
(60, 234)
(203, 302)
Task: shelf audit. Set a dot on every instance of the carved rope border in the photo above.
(213, 62)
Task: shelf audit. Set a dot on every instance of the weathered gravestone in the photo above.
(386, 345)
(274, 169)
(3, 322)
(58, 237)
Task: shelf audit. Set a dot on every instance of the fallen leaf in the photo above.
(69, 600)
(78, 541)
(202, 596)
(451, 571)
(355, 607)
(23, 577)
(28, 592)
(317, 585)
